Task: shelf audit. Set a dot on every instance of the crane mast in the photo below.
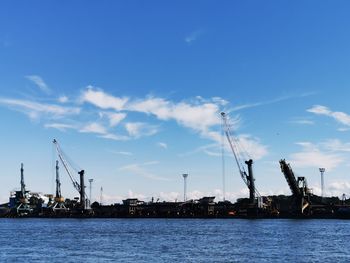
(23, 186)
(58, 182)
(248, 179)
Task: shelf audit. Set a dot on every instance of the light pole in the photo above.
(185, 185)
(90, 181)
(322, 170)
(101, 195)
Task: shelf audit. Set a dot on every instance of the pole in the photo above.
(90, 181)
(82, 190)
(185, 186)
(23, 186)
(322, 170)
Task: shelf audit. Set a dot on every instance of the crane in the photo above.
(298, 187)
(248, 179)
(68, 167)
(59, 200)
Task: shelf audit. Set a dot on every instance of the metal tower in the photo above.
(322, 170)
(101, 195)
(185, 186)
(90, 182)
(58, 182)
(23, 186)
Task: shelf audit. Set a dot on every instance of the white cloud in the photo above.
(35, 110)
(114, 137)
(340, 117)
(122, 153)
(162, 145)
(336, 145)
(114, 118)
(251, 146)
(140, 129)
(140, 169)
(302, 121)
(343, 129)
(63, 99)
(200, 115)
(338, 187)
(268, 102)
(102, 132)
(102, 100)
(94, 127)
(60, 126)
(312, 156)
(39, 82)
(193, 36)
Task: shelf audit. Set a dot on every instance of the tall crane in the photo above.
(59, 200)
(23, 206)
(248, 179)
(298, 187)
(68, 167)
(23, 186)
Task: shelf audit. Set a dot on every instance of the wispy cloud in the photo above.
(322, 155)
(268, 102)
(63, 99)
(335, 145)
(114, 118)
(193, 36)
(302, 121)
(121, 153)
(199, 115)
(101, 99)
(141, 170)
(40, 83)
(162, 145)
(140, 129)
(102, 132)
(94, 127)
(35, 110)
(60, 126)
(115, 137)
(340, 117)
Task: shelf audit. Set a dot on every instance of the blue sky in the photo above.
(132, 90)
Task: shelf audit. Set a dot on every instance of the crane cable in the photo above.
(237, 151)
(67, 165)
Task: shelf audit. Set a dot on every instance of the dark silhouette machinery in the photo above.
(255, 199)
(58, 205)
(300, 191)
(80, 187)
(22, 196)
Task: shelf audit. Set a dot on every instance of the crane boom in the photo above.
(66, 166)
(248, 179)
(228, 136)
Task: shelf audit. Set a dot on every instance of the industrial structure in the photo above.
(256, 202)
(300, 191)
(80, 187)
(58, 205)
(302, 203)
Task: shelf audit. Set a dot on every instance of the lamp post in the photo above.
(90, 181)
(185, 185)
(322, 170)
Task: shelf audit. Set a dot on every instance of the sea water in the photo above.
(174, 240)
